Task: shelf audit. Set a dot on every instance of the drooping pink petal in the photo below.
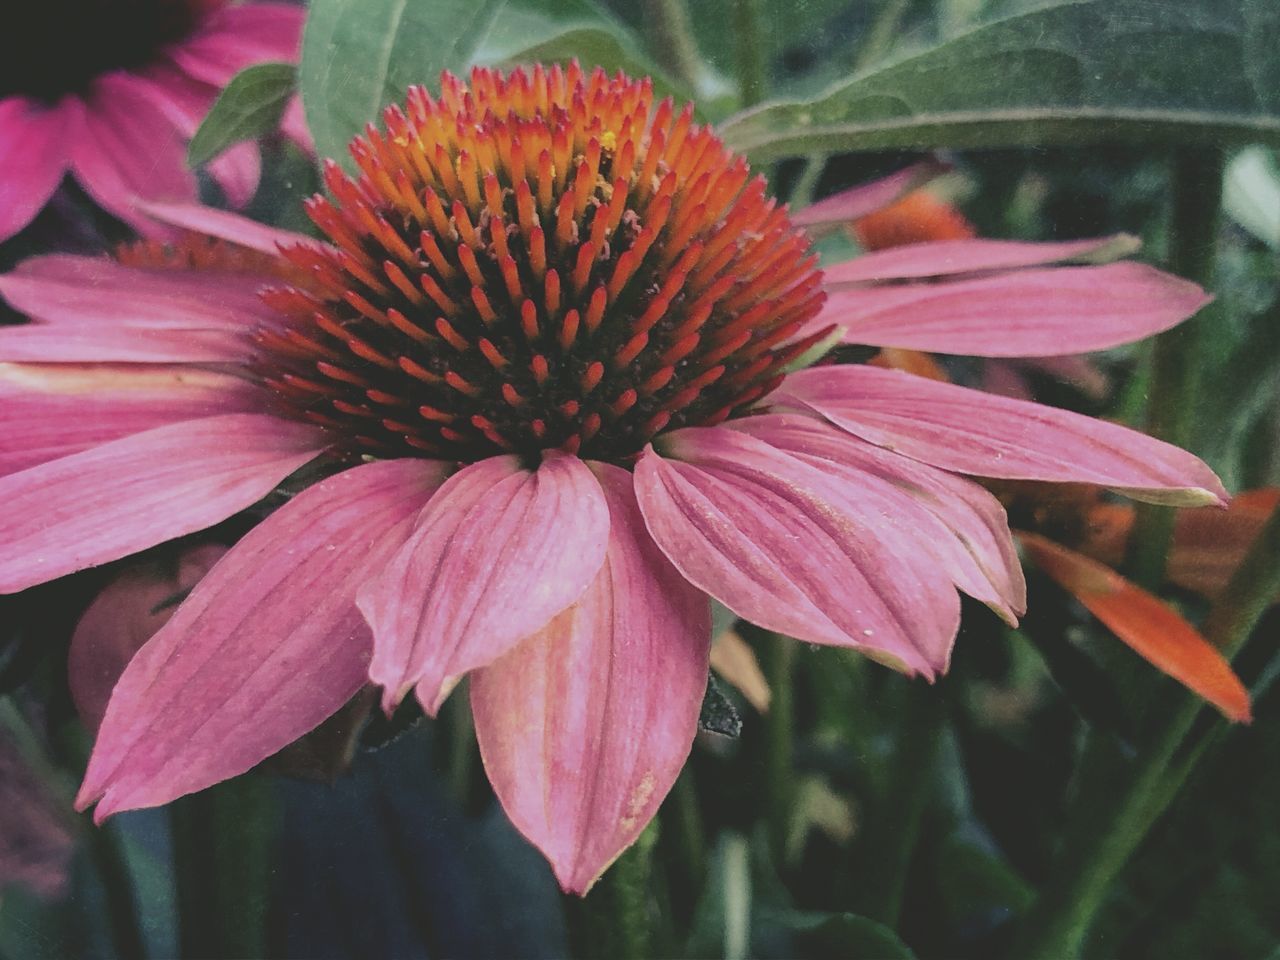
(224, 225)
(33, 157)
(129, 494)
(857, 202)
(237, 36)
(972, 432)
(786, 546)
(494, 556)
(953, 522)
(1031, 313)
(267, 646)
(52, 411)
(129, 150)
(585, 725)
(103, 293)
(939, 258)
(122, 617)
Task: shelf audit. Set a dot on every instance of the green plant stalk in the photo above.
(887, 850)
(1059, 923)
(222, 856)
(1176, 354)
(462, 747)
(673, 41)
(686, 828)
(779, 655)
(750, 53)
(118, 888)
(614, 919)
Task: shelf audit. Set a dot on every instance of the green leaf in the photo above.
(358, 56)
(1067, 71)
(250, 106)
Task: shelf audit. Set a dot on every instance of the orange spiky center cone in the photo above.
(538, 260)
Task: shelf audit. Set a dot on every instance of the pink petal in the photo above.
(494, 556)
(225, 226)
(52, 411)
(940, 258)
(186, 102)
(584, 726)
(40, 343)
(787, 547)
(1032, 313)
(124, 616)
(857, 202)
(294, 126)
(268, 645)
(969, 431)
(240, 35)
(129, 494)
(237, 171)
(103, 293)
(129, 150)
(33, 157)
(957, 524)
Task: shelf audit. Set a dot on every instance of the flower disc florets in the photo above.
(539, 260)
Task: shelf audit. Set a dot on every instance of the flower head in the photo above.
(536, 378)
(109, 90)
(542, 261)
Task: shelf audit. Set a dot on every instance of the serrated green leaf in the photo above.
(1068, 71)
(250, 106)
(360, 55)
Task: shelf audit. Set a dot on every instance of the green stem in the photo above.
(462, 747)
(118, 888)
(614, 919)
(673, 41)
(751, 76)
(779, 785)
(70, 749)
(1060, 922)
(1177, 354)
(222, 855)
(687, 830)
(887, 850)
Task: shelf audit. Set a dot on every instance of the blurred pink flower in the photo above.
(35, 833)
(111, 90)
(542, 424)
(122, 617)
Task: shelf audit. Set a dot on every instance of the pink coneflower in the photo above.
(531, 399)
(111, 90)
(36, 841)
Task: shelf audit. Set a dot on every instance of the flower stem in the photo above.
(673, 40)
(890, 843)
(751, 78)
(118, 888)
(1103, 840)
(1176, 354)
(779, 656)
(614, 920)
(222, 854)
